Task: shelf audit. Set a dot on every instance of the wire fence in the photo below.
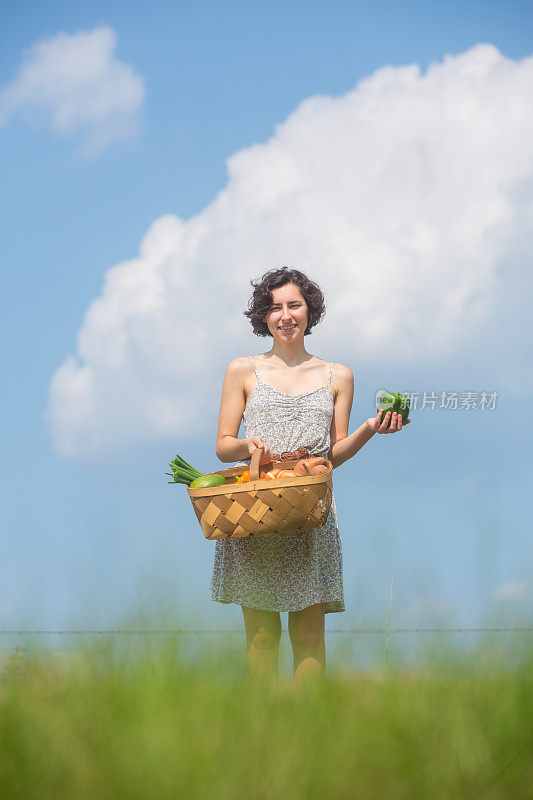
(366, 654)
(149, 631)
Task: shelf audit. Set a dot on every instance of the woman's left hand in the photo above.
(378, 425)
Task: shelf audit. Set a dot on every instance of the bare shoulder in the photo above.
(342, 371)
(342, 379)
(238, 366)
(238, 373)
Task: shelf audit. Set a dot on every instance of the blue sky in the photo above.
(91, 529)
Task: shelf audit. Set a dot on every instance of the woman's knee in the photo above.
(307, 629)
(307, 639)
(265, 639)
(263, 629)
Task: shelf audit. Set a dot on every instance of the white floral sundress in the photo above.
(289, 571)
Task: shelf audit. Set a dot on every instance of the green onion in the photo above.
(182, 463)
(182, 472)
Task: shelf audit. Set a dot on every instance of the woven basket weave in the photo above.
(263, 507)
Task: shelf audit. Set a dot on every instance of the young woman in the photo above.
(288, 398)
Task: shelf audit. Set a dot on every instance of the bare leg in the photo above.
(307, 634)
(263, 635)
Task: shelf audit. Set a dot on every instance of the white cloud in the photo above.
(408, 199)
(511, 592)
(76, 85)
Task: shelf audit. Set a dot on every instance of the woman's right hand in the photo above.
(253, 442)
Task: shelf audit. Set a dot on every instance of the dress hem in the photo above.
(335, 606)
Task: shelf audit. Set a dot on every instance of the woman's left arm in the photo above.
(342, 446)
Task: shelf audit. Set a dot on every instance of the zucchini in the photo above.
(206, 481)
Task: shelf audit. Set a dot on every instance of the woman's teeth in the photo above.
(288, 329)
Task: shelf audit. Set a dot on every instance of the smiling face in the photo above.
(288, 309)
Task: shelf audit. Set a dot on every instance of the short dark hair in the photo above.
(261, 300)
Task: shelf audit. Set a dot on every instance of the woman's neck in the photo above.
(291, 354)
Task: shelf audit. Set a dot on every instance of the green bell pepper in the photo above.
(393, 401)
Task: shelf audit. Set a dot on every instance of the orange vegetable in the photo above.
(305, 466)
(301, 469)
(267, 476)
(316, 460)
(308, 466)
(318, 469)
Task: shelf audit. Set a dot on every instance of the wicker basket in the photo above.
(261, 507)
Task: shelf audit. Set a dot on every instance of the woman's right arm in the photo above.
(228, 447)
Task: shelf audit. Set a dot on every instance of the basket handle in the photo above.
(254, 463)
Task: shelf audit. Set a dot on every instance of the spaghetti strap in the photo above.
(330, 371)
(255, 370)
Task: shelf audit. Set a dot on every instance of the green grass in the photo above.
(103, 722)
